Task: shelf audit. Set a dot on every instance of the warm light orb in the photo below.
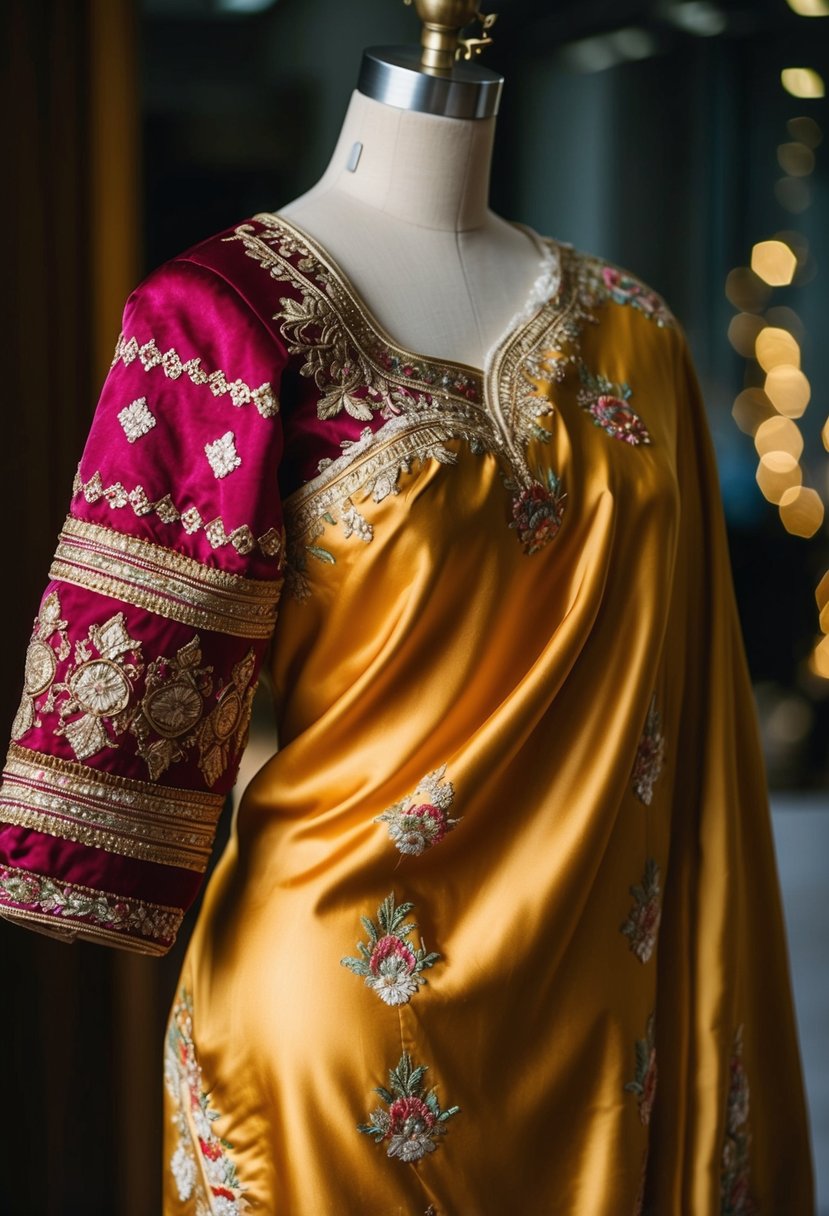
(774, 262)
(806, 130)
(744, 333)
(751, 408)
(788, 390)
(822, 592)
(824, 434)
(796, 159)
(793, 193)
(778, 434)
(783, 317)
(775, 347)
(802, 82)
(809, 8)
(776, 473)
(746, 290)
(819, 660)
(801, 511)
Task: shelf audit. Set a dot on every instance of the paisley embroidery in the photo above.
(735, 1171)
(421, 820)
(537, 512)
(390, 965)
(642, 924)
(607, 404)
(644, 1081)
(650, 756)
(201, 1163)
(414, 1122)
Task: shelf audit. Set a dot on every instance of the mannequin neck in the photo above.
(421, 169)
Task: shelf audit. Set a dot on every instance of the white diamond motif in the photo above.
(222, 455)
(136, 419)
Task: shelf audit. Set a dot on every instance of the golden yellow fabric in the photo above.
(580, 721)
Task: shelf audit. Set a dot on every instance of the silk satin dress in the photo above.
(498, 926)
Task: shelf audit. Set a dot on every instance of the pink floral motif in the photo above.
(642, 924)
(537, 512)
(194, 1117)
(608, 405)
(389, 965)
(412, 1125)
(625, 289)
(650, 756)
(735, 1171)
(644, 1081)
(416, 825)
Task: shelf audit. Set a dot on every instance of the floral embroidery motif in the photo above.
(98, 688)
(93, 913)
(222, 455)
(42, 657)
(624, 288)
(117, 496)
(149, 356)
(650, 756)
(412, 1125)
(644, 1081)
(225, 729)
(735, 1172)
(390, 965)
(174, 693)
(136, 419)
(607, 404)
(642, 924)
(201, 1160)
(537, 512)
(421, 820)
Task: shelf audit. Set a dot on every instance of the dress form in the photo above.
(411, 228)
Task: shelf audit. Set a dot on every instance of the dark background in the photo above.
(646, 132)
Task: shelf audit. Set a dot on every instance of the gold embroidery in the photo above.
(41, 664)
(117, 496)
(163, 581)
(149, 356)
(224, 731)
(131, 818)
(172, 707)
(148, 928)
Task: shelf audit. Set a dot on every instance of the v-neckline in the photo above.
(545, 291)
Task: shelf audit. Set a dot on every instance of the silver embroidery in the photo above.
(136, 419)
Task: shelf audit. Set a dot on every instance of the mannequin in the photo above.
(409, 224)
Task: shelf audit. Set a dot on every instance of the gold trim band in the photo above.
(130, 818)
(163, 581)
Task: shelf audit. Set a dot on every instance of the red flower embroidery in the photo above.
(389, 965)
(415, 826)
(414, 1121)
(537, 512)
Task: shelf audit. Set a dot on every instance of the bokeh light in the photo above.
(776, 473)
(751, 408)
(802, 82)
(746, 290)
(744, 331)
(793, 193)
(774, 262)
(783, 317)
(796, 159)
(774, 347)
(806, 130)
(809, 8)
(801, 511)
(819, 661)
(788, 390)
(778, 434)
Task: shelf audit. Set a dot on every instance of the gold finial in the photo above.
(443, 21)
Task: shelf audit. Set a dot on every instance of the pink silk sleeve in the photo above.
(147, 644)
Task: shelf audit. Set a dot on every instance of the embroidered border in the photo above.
(131, 818)
(148, 928)
(118, 496)
(127, 350)
(163, 581)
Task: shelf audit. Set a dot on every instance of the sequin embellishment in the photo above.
(136, 419)
(414, 1122)
(222, 455)
(391, 966)
(421, 820)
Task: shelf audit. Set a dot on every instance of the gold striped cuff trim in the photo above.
(162, 581)
(86, 912)
(131, 818)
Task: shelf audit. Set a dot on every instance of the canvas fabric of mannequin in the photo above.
(497, 927)
(412, 230)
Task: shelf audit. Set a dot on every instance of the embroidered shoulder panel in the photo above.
(127, 350)
(131, 818)
(164, 581)
(144, 927)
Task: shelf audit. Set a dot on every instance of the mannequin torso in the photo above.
(411, 229)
